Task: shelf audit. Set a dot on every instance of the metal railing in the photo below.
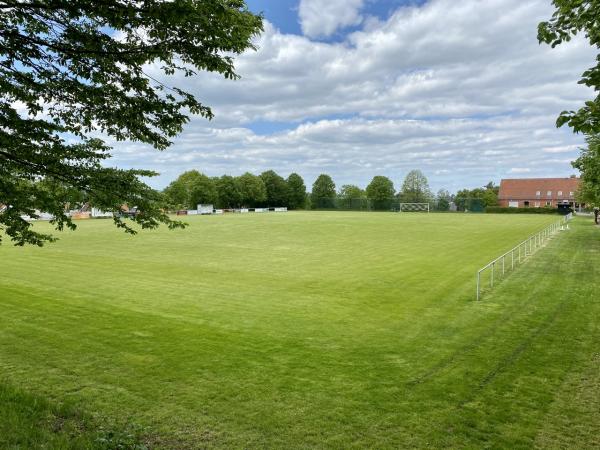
(512, 258)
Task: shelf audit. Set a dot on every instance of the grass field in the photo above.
(311, 329)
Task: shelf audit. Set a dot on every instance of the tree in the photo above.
(351, 191)
(491, 186)
(490, 197)
(190, 189)
(570, 18)
(588, 164)
(477, 199)
(323, 192)
(296, 191)
(252, 190)
(228, 192)
(380, 192)
(178, 192)
(443, 199)
(277, 189)
(415, 188)
(352, 197)
(461, 199)
(70, 69)
(204, 191)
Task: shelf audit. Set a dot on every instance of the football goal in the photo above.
(414, 207)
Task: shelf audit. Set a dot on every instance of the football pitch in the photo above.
(301, 330)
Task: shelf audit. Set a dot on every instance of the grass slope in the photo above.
(310, 330)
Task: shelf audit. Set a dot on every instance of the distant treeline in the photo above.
(270, 189)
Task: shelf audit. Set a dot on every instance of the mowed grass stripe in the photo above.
(317, 343)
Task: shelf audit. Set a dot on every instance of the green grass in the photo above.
(335, 330)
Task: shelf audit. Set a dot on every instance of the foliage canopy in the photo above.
(415, 188)
(72, 69)
(588, 164)
(252, 190)
(570, 18)
(380, 192)
(296, 191)
(276, 188)
(323, 192)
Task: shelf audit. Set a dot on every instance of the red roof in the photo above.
(538, 188)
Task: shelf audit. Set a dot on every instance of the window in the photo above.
(537, 204)
(538, 193)
(548, 203)
(526, 204)
(571, 194)
(560, 193)
(549, 194)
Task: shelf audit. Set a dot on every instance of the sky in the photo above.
(358, 88)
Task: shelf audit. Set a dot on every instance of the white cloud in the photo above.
(486, 61)
(461, 90)
(321, 18)
(354, 150)
(561, 149)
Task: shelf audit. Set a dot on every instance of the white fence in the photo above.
(507, 262)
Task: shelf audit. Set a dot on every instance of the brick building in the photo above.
(538, 192)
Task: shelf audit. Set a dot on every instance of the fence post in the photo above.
(530, 246)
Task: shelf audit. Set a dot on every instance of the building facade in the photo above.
(538, 192)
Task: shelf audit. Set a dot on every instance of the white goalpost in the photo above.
(414, 207)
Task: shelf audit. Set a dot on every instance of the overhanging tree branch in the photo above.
(63, 61)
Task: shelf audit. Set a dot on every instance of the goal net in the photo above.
(414, 207)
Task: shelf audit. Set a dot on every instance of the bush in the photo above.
(503, 210)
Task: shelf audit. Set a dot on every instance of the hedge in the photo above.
(502, 210)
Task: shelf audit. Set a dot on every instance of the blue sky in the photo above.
(284, 13)
(358, 88)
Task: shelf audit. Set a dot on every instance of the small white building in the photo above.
(205, 209)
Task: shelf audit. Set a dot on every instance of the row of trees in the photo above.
(270, 189)
(380, 194)
(267, 189)
(478, 198)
